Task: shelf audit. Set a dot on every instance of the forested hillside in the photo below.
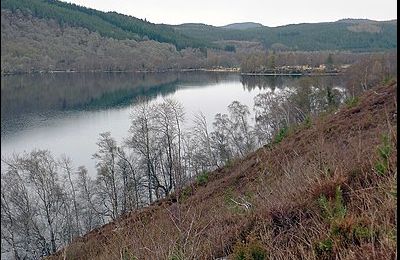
(109, 24)
(30, 44)
(346, 34)
(39, 35)
(354, 35)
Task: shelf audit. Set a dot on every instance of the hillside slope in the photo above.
(107, 24)
(326, 191)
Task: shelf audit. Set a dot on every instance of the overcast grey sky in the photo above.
(269, 13)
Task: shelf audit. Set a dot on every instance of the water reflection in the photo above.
(263, 82)
(27, 98)
(273, 82)
(65, 91)
(66, 112)
(26, 94)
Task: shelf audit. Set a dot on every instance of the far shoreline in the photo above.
(230, 70)
(235, 70)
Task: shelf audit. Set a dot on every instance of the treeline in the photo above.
(261, 61)
(111, 24)
(371, 70)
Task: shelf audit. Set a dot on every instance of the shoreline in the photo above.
(235, 70)
(230, 70)
(293, 74)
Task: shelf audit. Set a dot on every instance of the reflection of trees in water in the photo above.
(63, 91)
(66, 91)
(123, 97)
(251, 82)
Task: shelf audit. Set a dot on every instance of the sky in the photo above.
(268, 13)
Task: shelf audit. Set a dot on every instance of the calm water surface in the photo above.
(65, 112)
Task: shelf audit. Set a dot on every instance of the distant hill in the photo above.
(360, 21)
(366, 25)
(352, 20)
(242, 26)
(352, 35)
(346, 34)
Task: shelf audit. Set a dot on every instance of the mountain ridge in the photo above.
(242, 25)
(256, 24)
(303, 36)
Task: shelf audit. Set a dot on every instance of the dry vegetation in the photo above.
(326, 191)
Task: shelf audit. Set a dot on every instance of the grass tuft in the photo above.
(202, 178)
(251, 251)
(283, 132)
